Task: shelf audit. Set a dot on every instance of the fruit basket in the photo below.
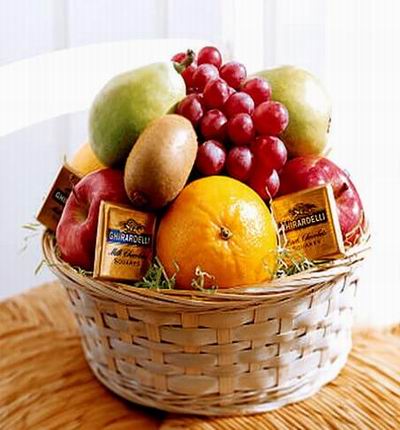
(240, 351)
(208, 248)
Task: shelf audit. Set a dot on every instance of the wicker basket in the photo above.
(239, 351)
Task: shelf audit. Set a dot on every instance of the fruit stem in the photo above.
(342, 189)
(75, 194)
(190, 56)
(225, 233)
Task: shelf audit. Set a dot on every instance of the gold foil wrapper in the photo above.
(308, 222)
(124, 244)
(50, 212)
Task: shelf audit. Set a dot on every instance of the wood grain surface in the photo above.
(45, 382)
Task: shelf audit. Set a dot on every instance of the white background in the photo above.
(350, 44)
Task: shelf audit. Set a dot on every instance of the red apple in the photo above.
(76, 231)
(311, 171)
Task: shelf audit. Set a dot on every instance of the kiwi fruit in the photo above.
(160, 162)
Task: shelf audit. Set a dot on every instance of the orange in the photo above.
(221, 226)
(85, 161)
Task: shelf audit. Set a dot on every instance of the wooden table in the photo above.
(45, 382)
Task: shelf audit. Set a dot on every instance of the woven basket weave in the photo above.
(240, 351)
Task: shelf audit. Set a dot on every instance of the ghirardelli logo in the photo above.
(132, 226)
(303, 215)
(61, 196)
(302, 209)
(130, 232)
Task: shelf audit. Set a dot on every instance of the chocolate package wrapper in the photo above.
(124, 244)
(308, 222)
(50, 212)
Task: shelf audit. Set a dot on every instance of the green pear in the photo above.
(309, 109)
(127, 104)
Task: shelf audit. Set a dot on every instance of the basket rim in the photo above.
(298, 285)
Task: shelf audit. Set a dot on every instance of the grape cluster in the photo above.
(236, 120)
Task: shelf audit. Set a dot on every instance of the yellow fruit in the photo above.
(221, 226)
(85, 161)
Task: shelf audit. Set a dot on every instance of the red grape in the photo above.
(204, 74)
(191, 108)
(210, 55)
(233, 73)
(259, 90)
(216, 93)
(192, 90)
(270, 151)
(188, 66)
(238, 103)
(211, 157)
(270, 118)
(241, 129)
(187, 75)
(231, 91)
(179, 57)
(213, 125)
(239, 162)
(265, 182)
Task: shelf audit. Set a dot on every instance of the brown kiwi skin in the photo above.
(160, 162)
